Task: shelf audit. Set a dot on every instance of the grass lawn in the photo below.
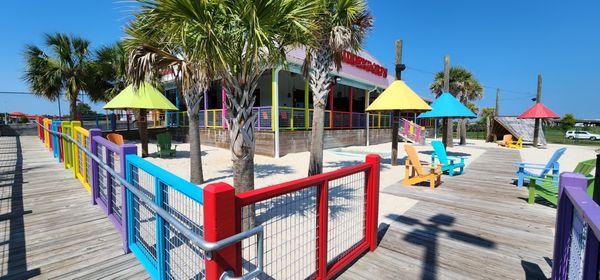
(553, 135)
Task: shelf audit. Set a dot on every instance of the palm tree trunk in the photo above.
(449, 133)
(73, 109)
(196, 174)
(240, 122)
(320, 84)
(316, 141)
(463, 132)
(142, 124)
(193, 98)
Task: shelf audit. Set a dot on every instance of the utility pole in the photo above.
(497, 109)
(399, 68)
(538, 99)
(447, 131)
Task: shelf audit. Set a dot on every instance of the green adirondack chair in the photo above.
(164, 145)
(547, 187)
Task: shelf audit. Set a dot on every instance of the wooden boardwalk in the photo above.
(475, 226)
(49, 228)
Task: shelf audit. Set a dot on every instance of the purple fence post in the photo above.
(564, 220)
(94, 149)
(126, 149)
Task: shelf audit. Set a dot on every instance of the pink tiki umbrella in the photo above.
(537, 112)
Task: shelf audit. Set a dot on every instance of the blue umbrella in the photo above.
(447, 106)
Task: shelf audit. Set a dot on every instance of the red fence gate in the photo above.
(313, 227)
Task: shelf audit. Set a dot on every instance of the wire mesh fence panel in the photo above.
(103, 175)
(143, 218)
(285, 118)
(346, 215)
(201, 119)
(183, 260)
(114, 161)
(290, 230)
(219, 118)
(341, 119)
(359, 120)
(299, 115)
(264, 117)
(577, 246)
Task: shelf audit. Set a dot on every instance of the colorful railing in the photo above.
(576, 250)
(290, 118)
(180, 231)
(412, 131)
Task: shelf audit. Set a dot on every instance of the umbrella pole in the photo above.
(536, 133)
(445, 132)
(394, 139)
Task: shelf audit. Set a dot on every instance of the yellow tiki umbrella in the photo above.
(398, 97)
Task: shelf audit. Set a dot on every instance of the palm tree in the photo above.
(343, 25)
(65, 66)
(111, 67)
(259, 34)
(160, 42)
(464, 86)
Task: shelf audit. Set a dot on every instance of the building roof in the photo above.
(348, 70)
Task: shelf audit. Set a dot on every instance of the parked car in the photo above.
(581, 135)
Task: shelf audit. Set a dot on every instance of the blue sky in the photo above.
(505, 43)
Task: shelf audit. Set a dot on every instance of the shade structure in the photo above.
(146, 97)
(398, 96)
(538, 111)
(447, 106)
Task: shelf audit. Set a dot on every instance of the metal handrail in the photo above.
(207, 246)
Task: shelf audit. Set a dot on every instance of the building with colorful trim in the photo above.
(359, 81)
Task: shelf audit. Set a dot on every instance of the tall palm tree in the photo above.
(159, 41)
(464, 86)
(343, 25)
(259, 33)
(65, 66)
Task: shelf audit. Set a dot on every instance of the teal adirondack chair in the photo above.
(448, 163)
(164, 145)
(524, 173)
(547, 188)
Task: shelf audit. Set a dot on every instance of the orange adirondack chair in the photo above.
(115, 138)
(415, 173)
(508, 138)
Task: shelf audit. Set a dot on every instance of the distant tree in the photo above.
(567, 122)
(85, 109)
(65, 66)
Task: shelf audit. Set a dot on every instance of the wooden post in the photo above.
(447, 131)
(367, 116)
(395, 113)
(538, 99)
(597, 180)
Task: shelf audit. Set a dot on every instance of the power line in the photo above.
(17, 92)
(504, 90)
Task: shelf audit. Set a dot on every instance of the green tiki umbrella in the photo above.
(146, 97)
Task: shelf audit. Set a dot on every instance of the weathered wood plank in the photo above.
(49, 228)
(474, 226)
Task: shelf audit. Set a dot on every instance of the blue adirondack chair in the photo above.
(448, 163)
(524, 168)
